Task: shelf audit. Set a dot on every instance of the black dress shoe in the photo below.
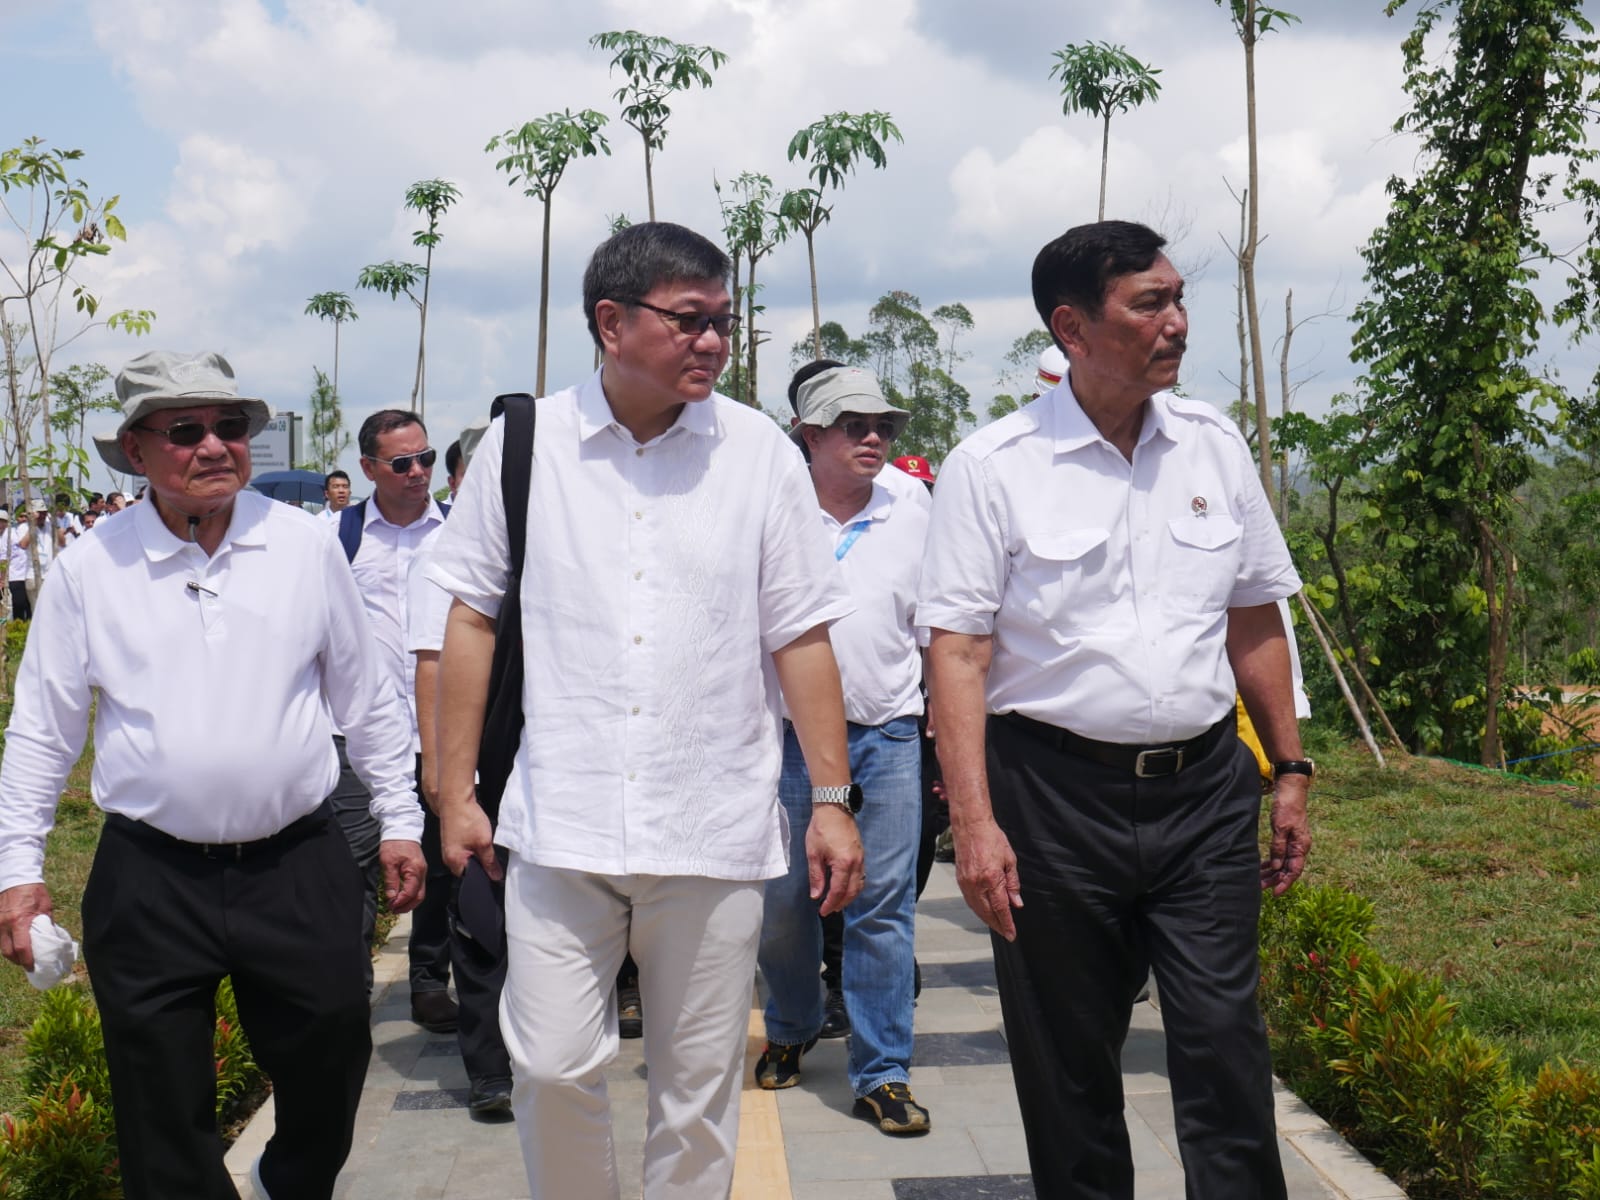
(490, 1098)
(434, 1011)
(835, 1018)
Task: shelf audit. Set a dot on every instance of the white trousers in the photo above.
(695, 943)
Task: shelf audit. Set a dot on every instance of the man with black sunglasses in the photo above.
(219, 855)
(382, 536)
(678, 580)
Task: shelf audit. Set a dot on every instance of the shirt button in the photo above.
(637, 639)
(639, 453)
(638, 574)
(638, 516)
(636, 710)
(632, 775)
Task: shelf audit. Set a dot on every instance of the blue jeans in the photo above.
(879, 928)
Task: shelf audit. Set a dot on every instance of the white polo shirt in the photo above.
(382, 567)
(210, 722)
(879, 552)
(659, 579)
(1105, 583)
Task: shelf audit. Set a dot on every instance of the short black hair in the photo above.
(113, 496)
(63, 499)
(1077, 268)
(385, 420)
(332, 475)
(809, 371)
(95, 497)
(633, 261)
(452, 458)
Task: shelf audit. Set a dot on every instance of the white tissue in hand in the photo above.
(54, 952)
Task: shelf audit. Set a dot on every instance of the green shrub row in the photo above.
(1377, 1051)
(65, 1146)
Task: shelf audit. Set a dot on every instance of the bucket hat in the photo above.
(164, 379)
(823, 398)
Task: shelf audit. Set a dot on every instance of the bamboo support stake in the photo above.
(1344, 687)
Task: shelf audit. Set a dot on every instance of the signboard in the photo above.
(274, 448)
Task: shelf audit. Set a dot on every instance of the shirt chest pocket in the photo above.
(1065, 577)
(1202, 562)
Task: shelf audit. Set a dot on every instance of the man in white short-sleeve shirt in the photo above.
(219, 854)
(877, 533)
(1102, 569)
(677, 578)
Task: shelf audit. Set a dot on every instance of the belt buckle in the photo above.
(1139, 767)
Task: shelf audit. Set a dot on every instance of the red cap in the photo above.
(915, 467)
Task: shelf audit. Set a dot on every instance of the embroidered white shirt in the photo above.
(659, 579)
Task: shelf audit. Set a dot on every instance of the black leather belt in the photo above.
(293, 832)
(1147, 762)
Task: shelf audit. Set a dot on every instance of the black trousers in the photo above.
(21, 606)
(1120, 875)
(429, 948)
(479, 961)
(162, 925)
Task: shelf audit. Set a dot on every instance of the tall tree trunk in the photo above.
(1247, 264)
(736, 350)
(1105, 151)
(649, 181)
(816, 311)
(544, 302)
(1283, 383)
(753, 397)
(419, 399)
(1243, 326)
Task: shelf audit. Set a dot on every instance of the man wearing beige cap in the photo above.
(877, 535)
(213, 758)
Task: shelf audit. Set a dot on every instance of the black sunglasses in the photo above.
(401, 464)
(856, 428)
(694, 323)
(191, 433)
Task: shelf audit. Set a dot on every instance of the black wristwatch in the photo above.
(848, 796)
(1294, 766)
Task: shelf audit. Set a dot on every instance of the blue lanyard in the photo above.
(856, 531)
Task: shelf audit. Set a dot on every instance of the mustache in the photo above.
(1175, 348)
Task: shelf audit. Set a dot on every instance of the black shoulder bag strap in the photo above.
(502, 717)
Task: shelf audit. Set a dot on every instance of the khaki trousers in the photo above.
(695, 942)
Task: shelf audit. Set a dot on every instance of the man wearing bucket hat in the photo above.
(213, 759)
(847, 426)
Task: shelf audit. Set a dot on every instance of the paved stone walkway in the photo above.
(415, 1140)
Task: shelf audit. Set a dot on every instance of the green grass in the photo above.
(1489, 883)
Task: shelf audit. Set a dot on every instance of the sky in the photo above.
(262, 149)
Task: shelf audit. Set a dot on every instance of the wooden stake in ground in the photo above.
(1338, 674)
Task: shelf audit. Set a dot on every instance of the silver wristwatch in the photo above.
(847, 796)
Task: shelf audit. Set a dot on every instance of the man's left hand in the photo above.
(405, 873)
(1291, 835)
(834, 857)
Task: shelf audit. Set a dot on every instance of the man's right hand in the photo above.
(986, 869)
(18, 906)
(465, 833)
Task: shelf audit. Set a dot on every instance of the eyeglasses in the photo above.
(235, 428)
(856, 428)
(401, 464)
(694, 323)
